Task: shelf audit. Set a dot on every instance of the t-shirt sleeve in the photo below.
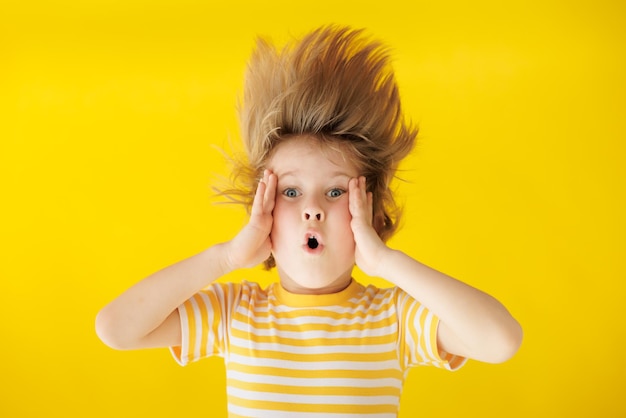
(204, 319)
(418, 336)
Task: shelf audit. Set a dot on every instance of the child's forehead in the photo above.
(300, 154)
(300, 148)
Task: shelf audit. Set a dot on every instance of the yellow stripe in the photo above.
(308, 407)
(191, 324)
(218, 345)
(357, 341)
(315, 390)
(433, 341)
(303, 357)
(423, 341)
(323, 326)
(412, 311)
(402, 338)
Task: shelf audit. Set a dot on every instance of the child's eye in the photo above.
(335, 193)
(291, 192)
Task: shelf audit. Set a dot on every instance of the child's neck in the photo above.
(294, 287)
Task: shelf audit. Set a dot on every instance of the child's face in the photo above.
(312, 241)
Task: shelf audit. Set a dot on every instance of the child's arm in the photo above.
(472, 323)
(146, 316)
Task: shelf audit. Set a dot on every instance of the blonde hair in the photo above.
(335, 85)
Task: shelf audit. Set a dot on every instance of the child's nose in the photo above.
(311, 212)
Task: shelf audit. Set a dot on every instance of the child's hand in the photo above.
(370, 249)
(252, 244)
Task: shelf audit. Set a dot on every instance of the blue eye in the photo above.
(335, 193)
(290, 192)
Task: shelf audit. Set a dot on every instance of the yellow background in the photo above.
(112, 115)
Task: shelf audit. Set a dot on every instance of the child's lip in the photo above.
(316, 250)
(312, 233)
(319, 248)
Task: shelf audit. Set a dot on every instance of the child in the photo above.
(323, 130)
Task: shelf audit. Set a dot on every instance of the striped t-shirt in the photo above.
(289, 355)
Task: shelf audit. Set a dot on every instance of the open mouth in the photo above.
(313, 244)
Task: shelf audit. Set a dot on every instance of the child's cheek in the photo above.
(343, 211)
(285, 212)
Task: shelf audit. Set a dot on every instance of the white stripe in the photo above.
(314, 349)
(221, 301)
(428, 324)
(312, 399)
(355, 333)
(184, 344)
(313, 365)
(314, 381)
(310, 319)
(263, 413)
(414, 346)
(403, 299)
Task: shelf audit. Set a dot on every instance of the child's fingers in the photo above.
(363, 188)
(353, 196)
(269, 197)
(360, 200)
(367, 199)
(257, 203)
